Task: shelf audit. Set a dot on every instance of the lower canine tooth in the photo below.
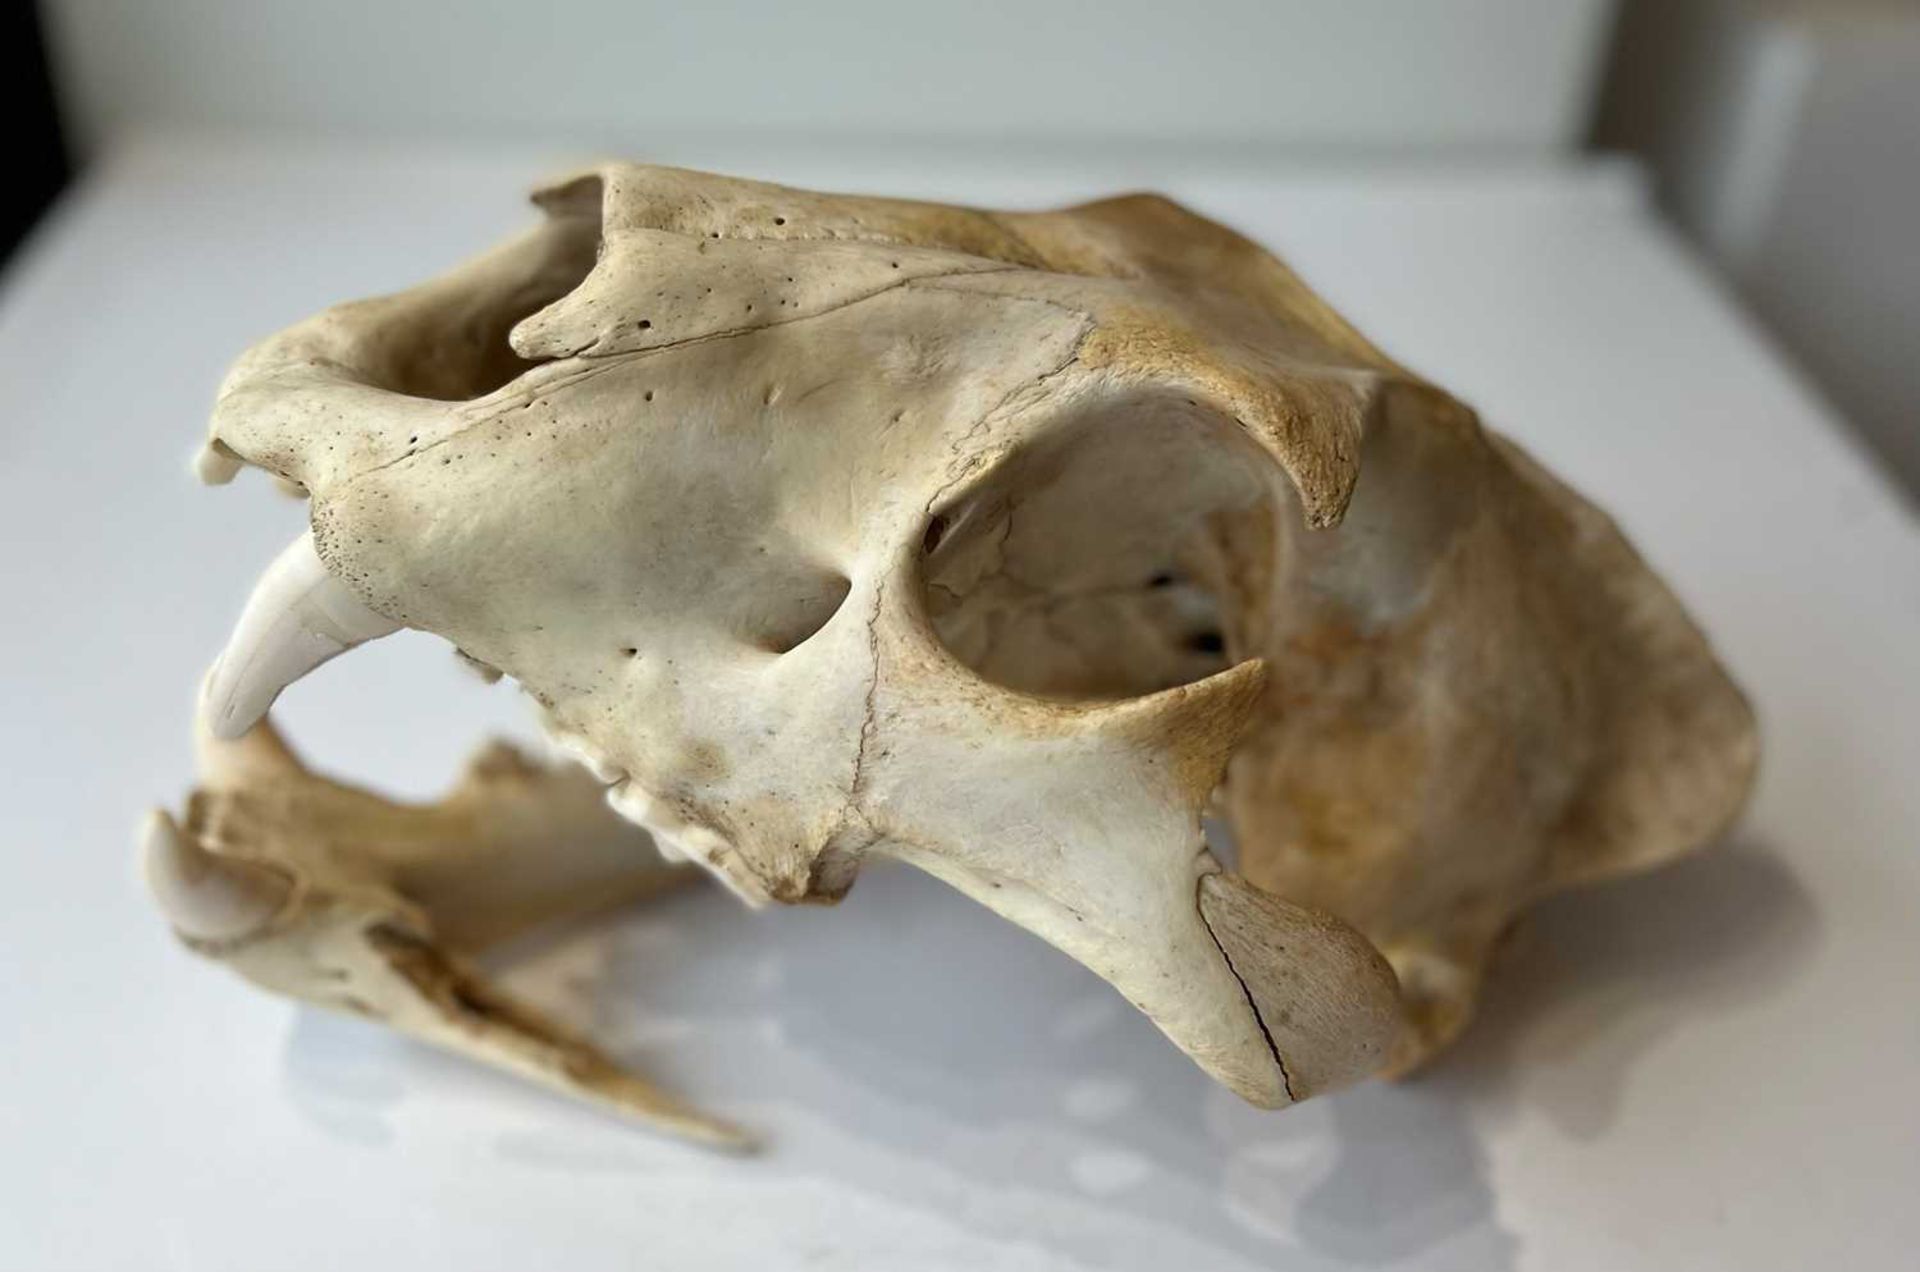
(206, 897)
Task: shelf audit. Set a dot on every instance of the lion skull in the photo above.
(823, 526)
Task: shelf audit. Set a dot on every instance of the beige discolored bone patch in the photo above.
(822, 526)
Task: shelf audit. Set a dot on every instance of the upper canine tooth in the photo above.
(298, 617)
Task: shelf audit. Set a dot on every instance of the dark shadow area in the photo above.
(37, 160)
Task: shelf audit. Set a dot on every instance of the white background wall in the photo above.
(1511, 74)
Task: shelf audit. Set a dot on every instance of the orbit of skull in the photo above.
(1004, 544)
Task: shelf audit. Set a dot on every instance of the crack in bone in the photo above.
(1286, 1079)
(868, 723)
(594, 364)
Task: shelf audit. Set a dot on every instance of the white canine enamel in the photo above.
(205, 897)
(298, 617)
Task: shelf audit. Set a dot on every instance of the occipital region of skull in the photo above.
(1006, 544)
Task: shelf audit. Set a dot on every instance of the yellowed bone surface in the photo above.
(821, 526)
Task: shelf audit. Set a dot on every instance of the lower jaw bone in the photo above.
(337, 897)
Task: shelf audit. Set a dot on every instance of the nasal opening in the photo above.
(447, 340)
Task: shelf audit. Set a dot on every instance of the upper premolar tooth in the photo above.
(604, 770)
(711, 849)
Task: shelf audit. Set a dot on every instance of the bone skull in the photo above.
(1006, 544)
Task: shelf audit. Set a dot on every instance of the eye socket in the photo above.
(1111, 556)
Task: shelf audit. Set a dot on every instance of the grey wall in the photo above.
(1785, 136)
(1513, 74)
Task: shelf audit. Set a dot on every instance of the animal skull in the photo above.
(824, 526)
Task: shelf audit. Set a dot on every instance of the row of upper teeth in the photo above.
(299, 617)
(676, 838)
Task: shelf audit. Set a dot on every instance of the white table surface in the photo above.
(1713, 1067)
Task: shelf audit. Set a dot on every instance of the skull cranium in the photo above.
(826, 526)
